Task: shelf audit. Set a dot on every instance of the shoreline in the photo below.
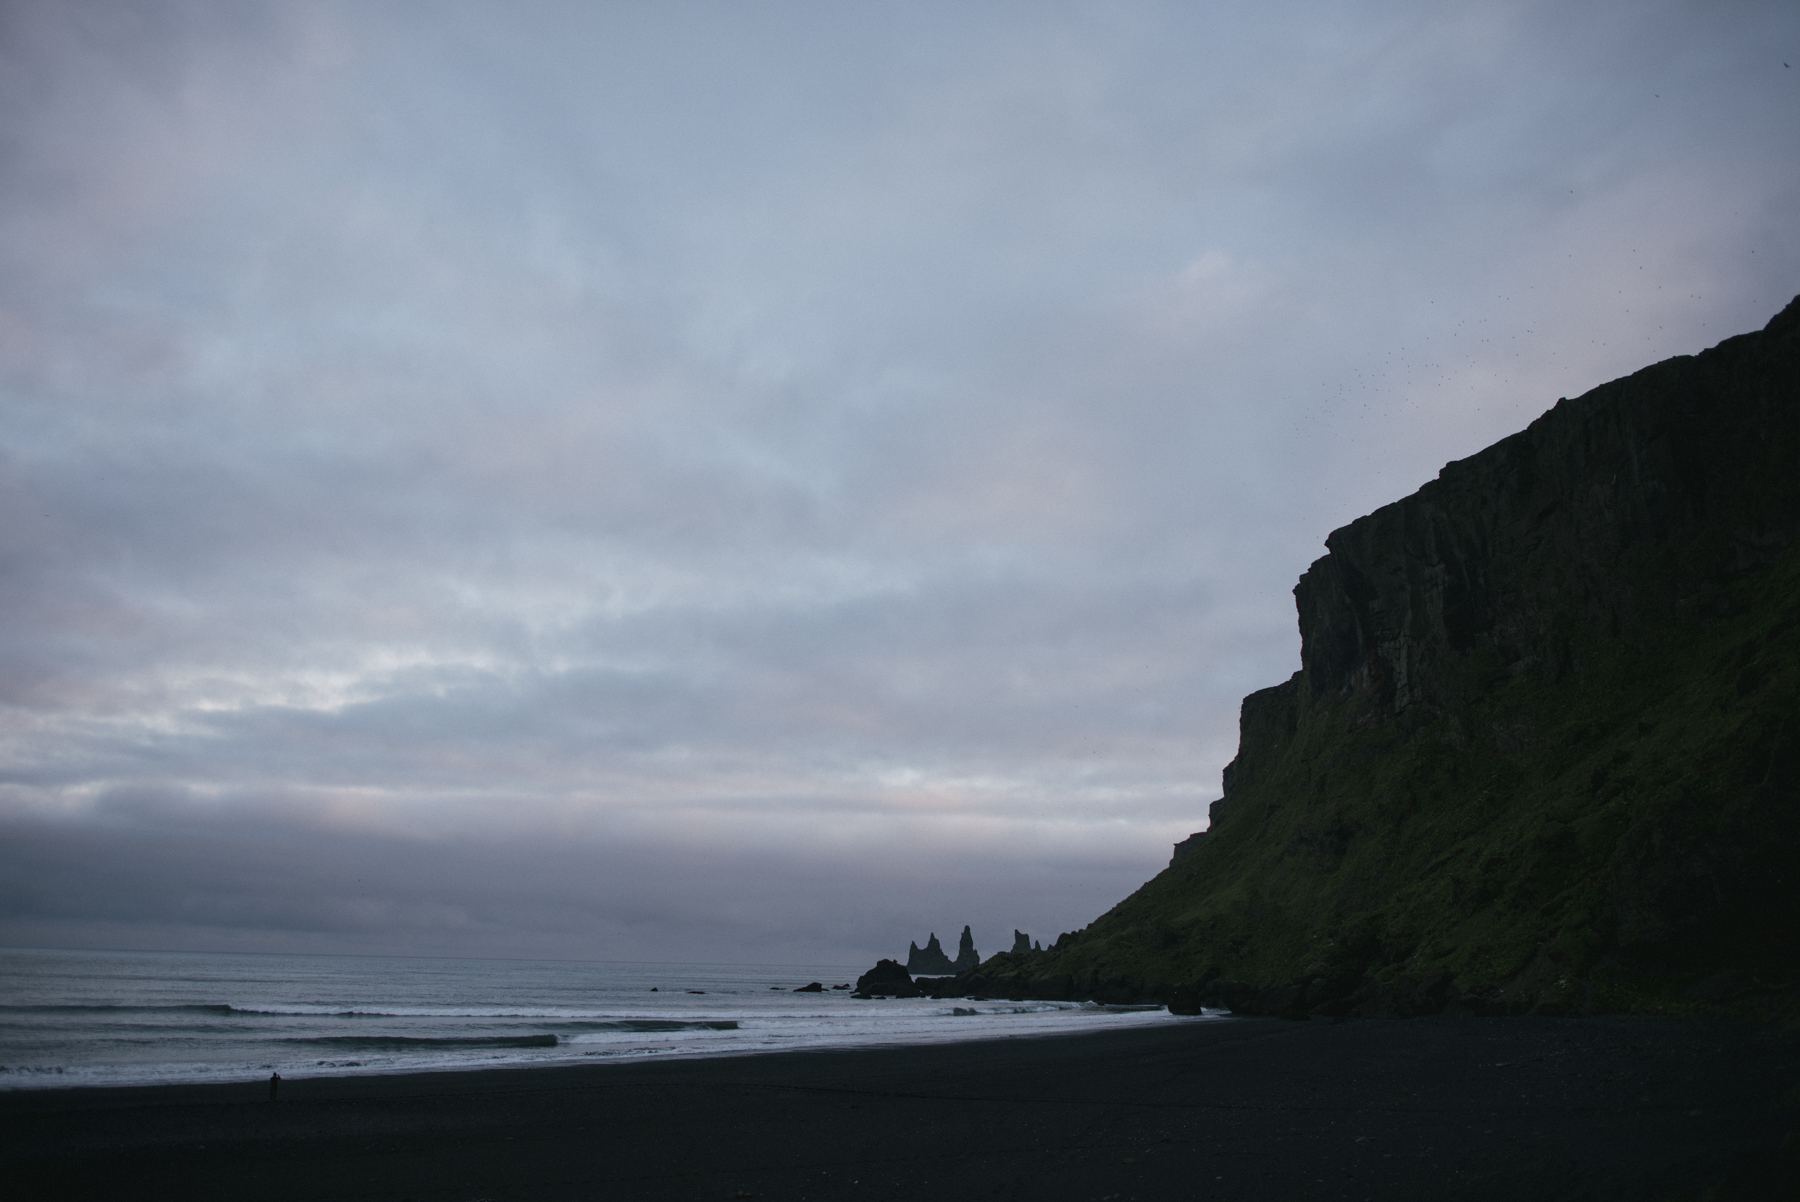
(1245, 1108)
(569, 1055)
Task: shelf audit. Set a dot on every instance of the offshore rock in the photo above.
(1021, 943)
(888, 978)
(930, 958)
(1543, 751)
(966, 955)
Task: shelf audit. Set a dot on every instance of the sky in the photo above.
(765, 482)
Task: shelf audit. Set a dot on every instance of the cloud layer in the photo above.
(764, 481)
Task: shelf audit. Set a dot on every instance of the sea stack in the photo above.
(930, 959)
(966, 955)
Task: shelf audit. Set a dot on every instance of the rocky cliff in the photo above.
(1544, 746)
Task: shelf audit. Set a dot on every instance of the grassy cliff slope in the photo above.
(1544, 747)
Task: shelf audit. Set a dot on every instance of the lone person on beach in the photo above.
(274, 1084)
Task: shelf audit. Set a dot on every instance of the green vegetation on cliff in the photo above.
(1545, 741)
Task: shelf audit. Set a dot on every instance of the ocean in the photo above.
(75, 1018)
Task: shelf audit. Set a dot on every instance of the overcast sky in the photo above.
(764, 482)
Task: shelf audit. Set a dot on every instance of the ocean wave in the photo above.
(119, 1008)
(401, 1043)
(397, 1043)
(544, 1013)
(304, 1010)
(653, 1024)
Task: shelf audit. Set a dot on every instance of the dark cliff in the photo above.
(1544, 746)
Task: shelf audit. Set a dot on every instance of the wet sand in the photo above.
(1240, 1109)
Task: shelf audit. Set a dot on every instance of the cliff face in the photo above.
(1544, 745)
(1511, 555)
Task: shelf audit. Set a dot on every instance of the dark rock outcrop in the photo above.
(930, 958)
(1186, 847)
(1543, 752)
(1021, 943)
(966, 955)
(888, 978)
(815, 987)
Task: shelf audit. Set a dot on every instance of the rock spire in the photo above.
(931, 958)
(966, 955)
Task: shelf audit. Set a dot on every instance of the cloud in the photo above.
(161, 871)
(771, 456)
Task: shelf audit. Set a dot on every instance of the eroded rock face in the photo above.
(1021, 943)
(1498, 554)
(1543, 752)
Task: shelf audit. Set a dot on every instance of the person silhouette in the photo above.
(274, 1084)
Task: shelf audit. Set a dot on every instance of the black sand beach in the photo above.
(1250, 1108)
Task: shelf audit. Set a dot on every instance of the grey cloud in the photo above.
(156, 872)
(816, 443)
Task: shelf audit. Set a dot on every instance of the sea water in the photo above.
(71, 1018)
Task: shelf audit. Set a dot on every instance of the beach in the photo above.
(1252, 1108)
